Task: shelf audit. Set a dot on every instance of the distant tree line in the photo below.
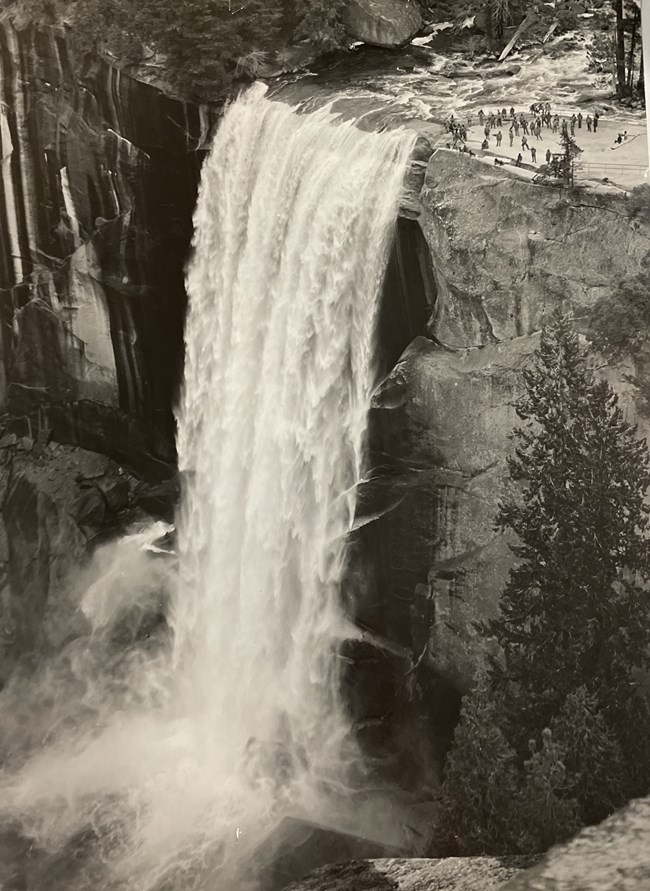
(556, 733)
(206, 43)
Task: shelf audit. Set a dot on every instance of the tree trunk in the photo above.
(620, 48)
(630, 58)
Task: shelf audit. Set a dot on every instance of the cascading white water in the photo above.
(240, 720)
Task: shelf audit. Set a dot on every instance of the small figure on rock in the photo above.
(579, 120)
(588, 122)
(499, 138)
(519, 160)
(533, 154)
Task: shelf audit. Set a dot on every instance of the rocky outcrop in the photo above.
(453, 874)
(390, 23)
(613, 856)
(504, 254)
(507, 252)
(56, 502)
(97, 188)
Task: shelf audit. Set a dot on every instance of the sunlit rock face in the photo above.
(98, 184)
(504, 255)
(507, 253)
(390, 23)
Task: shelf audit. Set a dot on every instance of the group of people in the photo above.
(520, 125)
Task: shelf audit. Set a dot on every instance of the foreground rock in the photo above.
(390, 23)
(453, 874)
(614, 856)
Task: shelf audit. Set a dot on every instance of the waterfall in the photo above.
(237, 720)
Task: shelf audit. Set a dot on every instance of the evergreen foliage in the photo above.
(547, 812)
(206, 44)
(560, 724)
(596, 777)
(478, 804)
(319, 22)
(575, 608)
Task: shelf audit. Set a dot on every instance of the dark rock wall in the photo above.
(99, 179)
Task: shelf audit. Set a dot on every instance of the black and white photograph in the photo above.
(324, 445)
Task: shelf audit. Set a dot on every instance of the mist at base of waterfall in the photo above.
(205, 705)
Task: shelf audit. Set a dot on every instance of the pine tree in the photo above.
(319, 22)
(547, 812)
(596, 776)
(480, 789)
(575, 607)
(570, 151)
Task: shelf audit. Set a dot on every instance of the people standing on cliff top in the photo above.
(486, 131)
(596, 119)
(499, 121)
(588, 122)
(511, 136)
(573, 126)
(524, 143)
(481, 116)
(579, 120)
(515, 125)
(565, 128)
(519, 160)
(499, 137)
(556, 123)
(524, 125)
(485, 144)
(504, 113)
(548, 156)
(512, 112)
(533, 154)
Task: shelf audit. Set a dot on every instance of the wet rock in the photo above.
(103, 197)
(8, 440)
(91, 509)
(389, 23)
(159, 499)
(116, 493)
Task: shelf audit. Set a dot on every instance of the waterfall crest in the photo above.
(242, 720)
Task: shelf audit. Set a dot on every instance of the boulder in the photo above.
(91, 509)
(452, 874)
(389, 23)
(614, 856)
(116, 493)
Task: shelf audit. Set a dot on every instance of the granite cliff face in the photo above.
(504, 253)
(98, 185)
